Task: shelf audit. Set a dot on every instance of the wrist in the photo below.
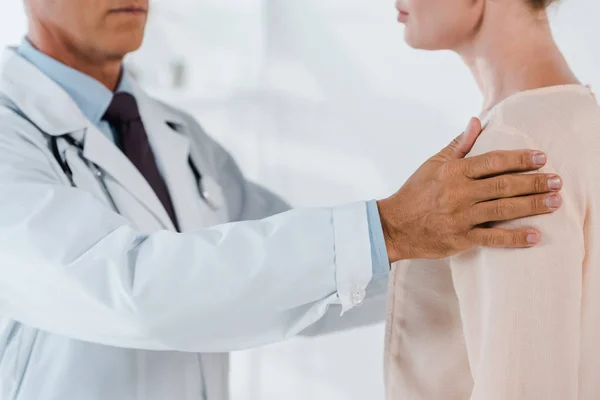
(394, 246)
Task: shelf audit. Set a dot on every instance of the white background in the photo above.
(324, 103)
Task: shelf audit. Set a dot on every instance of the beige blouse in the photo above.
(499, 324)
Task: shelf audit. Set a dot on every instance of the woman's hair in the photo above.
(540, 4)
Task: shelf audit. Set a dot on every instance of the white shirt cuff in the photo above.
(353, 260)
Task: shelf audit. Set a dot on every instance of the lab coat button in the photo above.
(357, 297)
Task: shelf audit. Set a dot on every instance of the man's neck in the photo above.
(104, 70)
(524, 57)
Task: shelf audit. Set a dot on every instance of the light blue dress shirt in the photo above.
(381, 264)
(93, 98)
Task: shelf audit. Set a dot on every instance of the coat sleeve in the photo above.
(250, 201)
(72, 267)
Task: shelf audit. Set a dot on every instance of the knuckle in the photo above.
(517, 239)
(501, 186)
(474, 215)
(501, 239)
(449, 198)
(499, 209)
(480, 239)
(445, 202)
(493, 240)
(452, 170)
(538, 204)
(463, 167)
(539, 184)
(456, 222)
(471, 238)
(455, 144)
(490, 162)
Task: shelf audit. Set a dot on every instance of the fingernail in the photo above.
(553, 201)
(555, 183)
(533, 237)
(540, 159)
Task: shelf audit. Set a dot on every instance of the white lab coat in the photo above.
(98, 305)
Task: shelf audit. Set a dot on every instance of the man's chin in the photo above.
(118, 54)
(120, 47)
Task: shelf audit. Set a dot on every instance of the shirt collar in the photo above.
(91, 96)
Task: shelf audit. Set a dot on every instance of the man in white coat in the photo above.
(133, 253)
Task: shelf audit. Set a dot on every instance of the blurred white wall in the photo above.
(324, 103)
(12, 22)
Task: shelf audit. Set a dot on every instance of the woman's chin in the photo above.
(418, 43)
(412, 41)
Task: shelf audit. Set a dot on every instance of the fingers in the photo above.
(461, 146)
(514, 208)
(515, 185)
(519, 238)
(468, 139)
(502, 162)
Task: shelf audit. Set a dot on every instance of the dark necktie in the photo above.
(124, 116)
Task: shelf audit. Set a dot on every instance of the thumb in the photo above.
(462, 145)
(468, 138)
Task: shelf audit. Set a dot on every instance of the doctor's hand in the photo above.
(443, 208)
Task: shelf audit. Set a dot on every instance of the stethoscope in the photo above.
(101, 175)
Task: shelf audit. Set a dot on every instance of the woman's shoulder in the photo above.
(563, 121)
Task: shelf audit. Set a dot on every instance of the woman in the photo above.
(495, 324)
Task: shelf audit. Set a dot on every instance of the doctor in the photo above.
(123, 272)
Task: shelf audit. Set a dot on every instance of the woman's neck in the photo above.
(515, 55)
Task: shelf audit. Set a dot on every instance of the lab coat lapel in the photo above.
(166, 132)
(54, 112)
(104, 153)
